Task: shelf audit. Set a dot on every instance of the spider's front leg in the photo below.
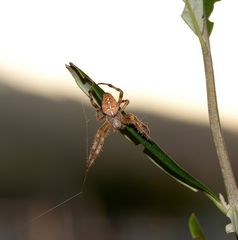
(97, 144)
(126, 102)
(99, 114)
(117, 89)
(130, 118)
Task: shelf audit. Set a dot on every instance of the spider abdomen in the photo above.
(109, 105)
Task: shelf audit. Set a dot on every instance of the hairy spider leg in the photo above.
(117, 89)
(92, 101)
(130, 118)
(126, 102)
(97, 144)
(99, 115)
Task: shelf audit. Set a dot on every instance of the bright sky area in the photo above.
(143, 47)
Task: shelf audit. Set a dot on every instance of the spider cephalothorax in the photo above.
(111, 111)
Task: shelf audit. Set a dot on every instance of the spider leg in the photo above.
(117, 89)
(92, 101)
(126, 102)
(97, 144)
(99, 115)
(130, 118)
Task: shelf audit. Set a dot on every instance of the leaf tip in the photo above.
(195, 228)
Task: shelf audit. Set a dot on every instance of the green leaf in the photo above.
(208, 8)
(81, 78)
(151, 149)
(195, 228)
(196, 14)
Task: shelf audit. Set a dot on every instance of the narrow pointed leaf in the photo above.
(151, 149)
(81, 78)
(195, 228)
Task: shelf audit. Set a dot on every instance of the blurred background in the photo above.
(47, 124)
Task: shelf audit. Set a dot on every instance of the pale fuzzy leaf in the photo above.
(196, 14)
(193, 15)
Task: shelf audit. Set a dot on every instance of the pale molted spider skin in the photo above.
(111, 112)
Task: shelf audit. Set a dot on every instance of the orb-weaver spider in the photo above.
(111, 112)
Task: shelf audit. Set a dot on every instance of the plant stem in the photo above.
(227, 173)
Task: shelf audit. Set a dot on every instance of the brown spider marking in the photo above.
(111, 113)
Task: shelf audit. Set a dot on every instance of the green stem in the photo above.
(226, 169)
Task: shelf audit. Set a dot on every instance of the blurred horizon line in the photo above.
(168, 107)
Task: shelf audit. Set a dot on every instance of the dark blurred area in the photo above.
(43, 148)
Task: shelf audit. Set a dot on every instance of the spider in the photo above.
(111, 112)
